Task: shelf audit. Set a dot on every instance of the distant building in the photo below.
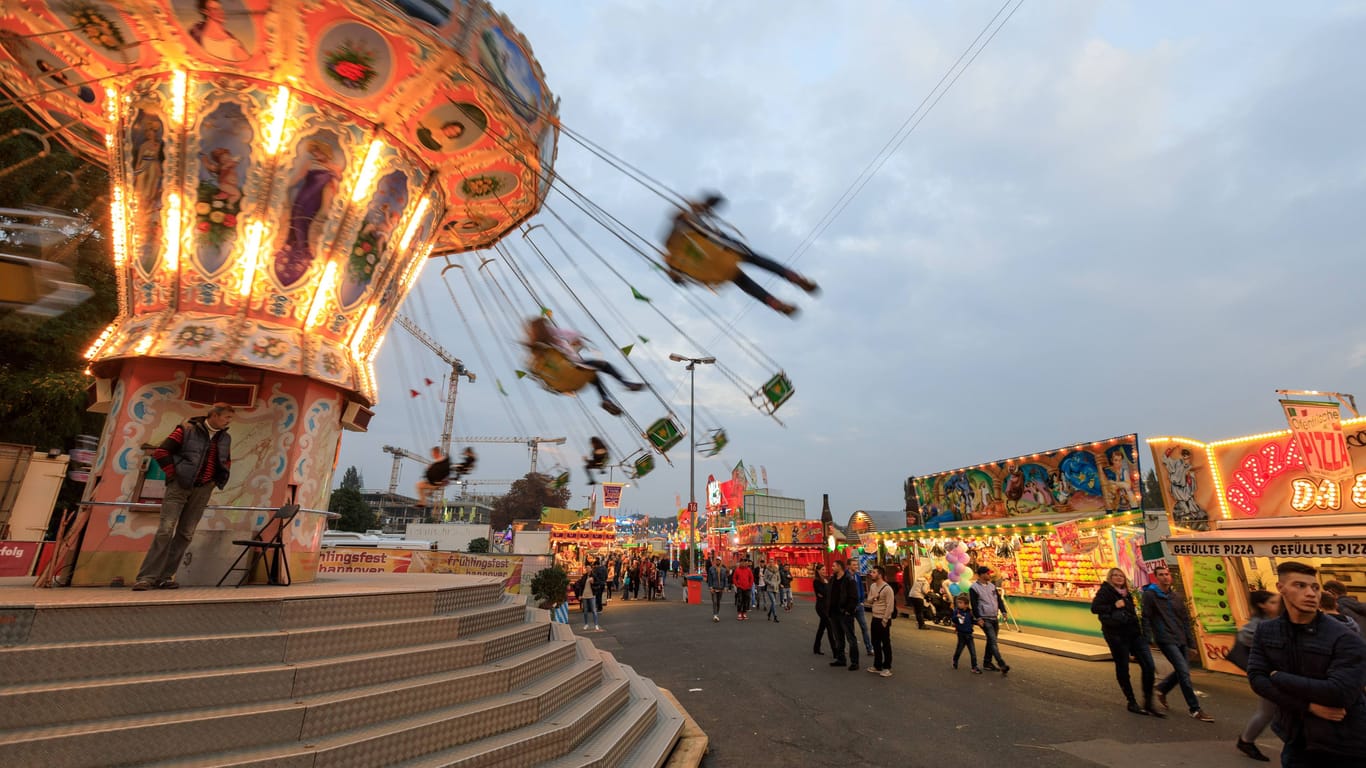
(869, 521)
(396, 511)
(763, 508)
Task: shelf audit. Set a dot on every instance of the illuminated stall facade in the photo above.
(1239, 506)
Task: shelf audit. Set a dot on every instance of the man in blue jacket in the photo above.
(1313, 668)
(1168, 625)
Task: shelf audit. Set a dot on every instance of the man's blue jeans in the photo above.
(1181, 674)
(992, 649)
(863, 626)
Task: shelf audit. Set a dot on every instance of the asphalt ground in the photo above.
(764, 699)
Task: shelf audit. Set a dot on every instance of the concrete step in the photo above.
(33, 706)
(171, 734)
(192, 612)
(610, 744)
(418, 737)
(36, 663)
(556, 733)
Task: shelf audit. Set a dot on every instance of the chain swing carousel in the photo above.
(280, 172)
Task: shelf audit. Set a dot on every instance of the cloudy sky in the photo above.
(1124, 217)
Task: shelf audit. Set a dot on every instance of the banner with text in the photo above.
(611, 495)
(364, 560)
(1317, 427)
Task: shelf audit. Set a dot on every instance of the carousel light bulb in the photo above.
(369, 170)
(325, 286)
(256, 232)
(117, 221)
(358, 341)
(279, 114)
(100, 341)
(172, 232)
(413, 223)
(144, 344)
(179, 84)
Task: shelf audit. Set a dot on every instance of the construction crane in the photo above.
(399, 455)
(458, 369)
(534, 443)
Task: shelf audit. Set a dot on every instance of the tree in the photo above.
(479, 545)
(351, 479)
(525, 499)
(42, 378)
(1152, 492)
(356, 515)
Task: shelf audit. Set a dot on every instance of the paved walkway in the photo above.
(765, 700)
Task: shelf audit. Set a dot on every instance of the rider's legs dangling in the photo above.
(605, 367)
(790, 275)
(748, 285)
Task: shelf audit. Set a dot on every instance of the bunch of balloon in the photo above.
(960, 575)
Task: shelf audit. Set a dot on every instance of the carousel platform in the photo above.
(419, 670)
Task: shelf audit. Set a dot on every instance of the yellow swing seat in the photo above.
(556, 372)
(691, 252)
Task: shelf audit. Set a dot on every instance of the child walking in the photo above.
(963, 624)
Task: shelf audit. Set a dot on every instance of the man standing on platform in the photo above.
(196, 457)
(1313, 668)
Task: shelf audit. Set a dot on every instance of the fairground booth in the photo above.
(1050, 525)
(1240, 506)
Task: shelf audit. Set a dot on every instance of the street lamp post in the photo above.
(692, 362)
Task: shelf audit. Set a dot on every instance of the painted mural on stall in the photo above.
(1098, 477)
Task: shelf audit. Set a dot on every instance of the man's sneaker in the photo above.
(596, 628)
(1005, 670)
(875, 670)
(976, 671)
(167, 584)
(1161, 699)
(634, 386)
(853, 667)
(837, 663)
(989, 668)
(1202, 716)
(585, 627)
(714, 617)
(886, 673)
(611, 407)
(141, 586)
(806, 284)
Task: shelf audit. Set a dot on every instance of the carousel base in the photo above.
(418, 670)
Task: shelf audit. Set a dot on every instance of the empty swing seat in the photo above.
(271, 538)
(775, 392)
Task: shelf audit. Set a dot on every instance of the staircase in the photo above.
(441, 671)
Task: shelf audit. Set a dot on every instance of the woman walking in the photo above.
(1265, 606)
(821, 587)
(1116, 605)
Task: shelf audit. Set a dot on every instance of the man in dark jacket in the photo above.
(1169, 626)
(843, 604)
(196, 457)
(1313, 668)
(718, 579)
(821, 587)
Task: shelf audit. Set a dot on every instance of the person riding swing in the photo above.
(699, 249)
(596, 460)
(543, 337)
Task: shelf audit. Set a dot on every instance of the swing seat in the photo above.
(664, 434)
(774, 393)
(690, 251)
(718, 442)
(556, 372)
(642, 465)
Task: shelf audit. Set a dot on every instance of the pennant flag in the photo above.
(429, 381)
(643, 340)
(413, 393)
(638, 295)
(520, 374)
(547, 312)
(626, 350)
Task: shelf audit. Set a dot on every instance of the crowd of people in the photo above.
(620, 573)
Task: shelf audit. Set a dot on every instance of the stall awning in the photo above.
(1285, 542)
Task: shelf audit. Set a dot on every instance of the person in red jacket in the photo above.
(743, 579)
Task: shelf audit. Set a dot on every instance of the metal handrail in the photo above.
(153, 505)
